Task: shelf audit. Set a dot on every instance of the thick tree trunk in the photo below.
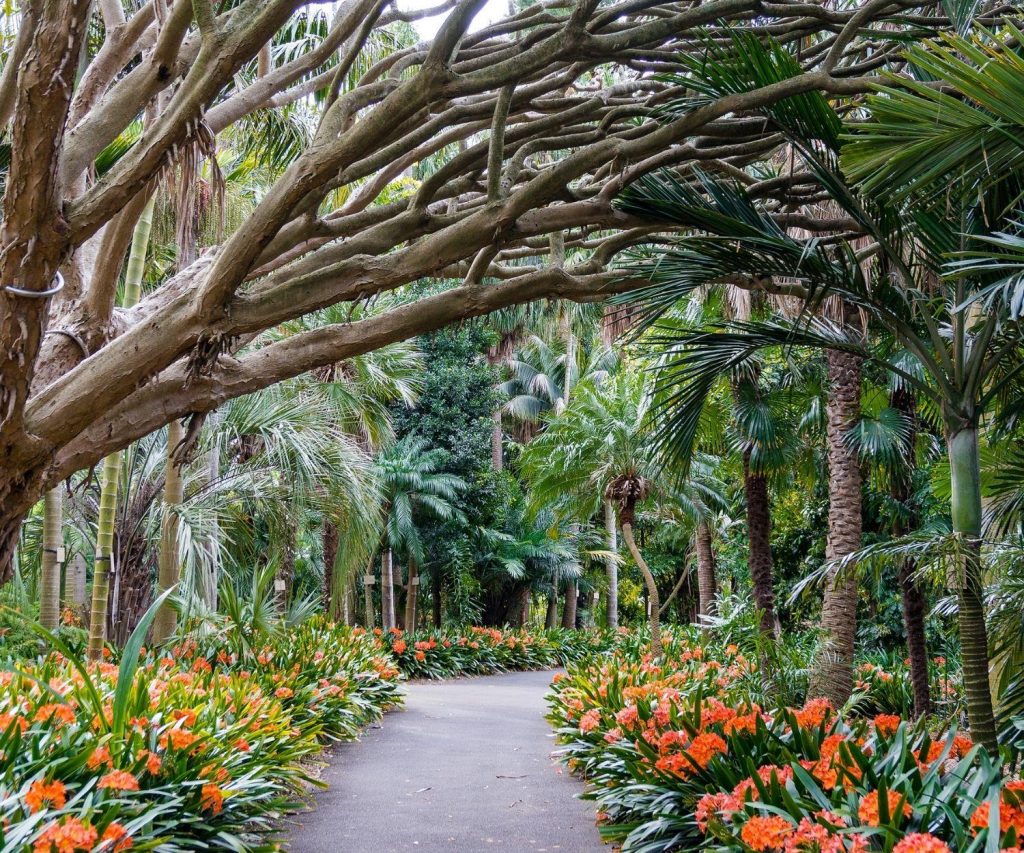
(412, 596)
(612, 544)
(912, 596)
(387, 590)
(369, 619)
(965, 473)
(707, 583)
(330, 556)
(551, 617)
(109, 482)
(832, 670)
(569, 607)
(53, 544)
(653, 602)
(759, 528)
(169, 571)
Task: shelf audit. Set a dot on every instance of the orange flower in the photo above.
(399, 647)
(590, 720)
(178, 739)
(921, 842)
(421, 656)
(886, 724)
(705, 747)
(100, 755)
(868, 811)
(284, 693)
(116, 836)
(119, 780)
(65, 837)
(212, 799)
(714, 805)
(42, 794)
(813, 713)
(55, 713)
(153, 763)
(766, 833)
(242, 745)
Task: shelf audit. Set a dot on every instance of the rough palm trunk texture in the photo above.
(612, 544)
(911, 595)
(654, 602)
(832, 671)
(169, 572)
(370, 620)
(965, 475)
(330, 555)
(707, 583)
(551, 617)
(412, 596)
(75, 582)
(569, 607)
(387, 591)
(759, 528)
(497, 456)
(53, 539)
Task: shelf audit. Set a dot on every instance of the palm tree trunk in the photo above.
(911, 595)
(707, 583)
(330, 540)
(53, 542)
(411, 597)
(832, 670)
(169, 571)
(654, 617)
(111, 476)
(286, 569)
(612, 565)
(965, 472)
(569, 607)
(551, 617)
(370, 620)
(387, 591)
(759, 528)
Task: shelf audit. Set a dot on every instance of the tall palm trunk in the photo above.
(551, 617)
(707, 583)
(612, 543)
(497, 453)
(759, 555)
(654, 602)
(53, 543)
(370, 619)
(169, 571)
(285, 579)
(111, 476)
(832, 670)
(387, 590)
(330, 557)
(965, 472)
(911, 594)
(569, 606)
(412, 596)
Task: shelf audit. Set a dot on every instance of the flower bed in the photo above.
(682, 756)
(483, 651)
(200, 750)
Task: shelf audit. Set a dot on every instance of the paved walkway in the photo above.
(465, 767)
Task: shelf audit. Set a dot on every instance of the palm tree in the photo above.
(411, 481)
(922, 199)
(596, 451)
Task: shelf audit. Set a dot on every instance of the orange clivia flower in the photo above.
(178, 739)
(153, 763)
(590, 720)
(399, 647)
(868, 810)
(57, 712)
(766, 833)
(921, 842)
(42, 794)
(65, 837)
(284, 693)
(886, 724)
(212, 799)
(119, 780)
(117, 837)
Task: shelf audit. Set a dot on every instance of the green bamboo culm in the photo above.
(49, 580)
(111, 472)
(966, 513)
(169, 571)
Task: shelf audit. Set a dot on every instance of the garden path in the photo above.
(465, 767)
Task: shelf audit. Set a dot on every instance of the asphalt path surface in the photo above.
(466, 766)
